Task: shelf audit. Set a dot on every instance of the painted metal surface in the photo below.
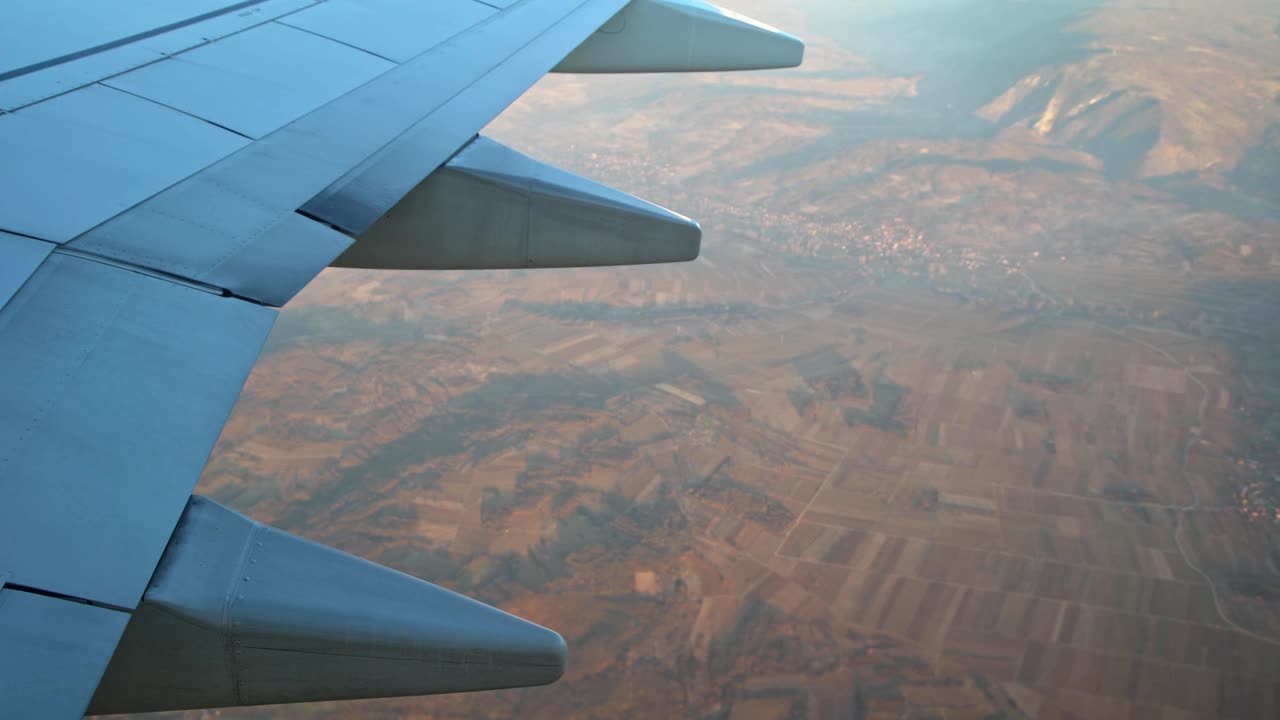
(33, 87)
(19, 257)
(115, 387)
(40, 31)
(393, 29)
(79, 159)
(484, 88)
(682, 36)
(208, 225)
(492, 207)
(255, 81)
(52, 653)
(239, 613)
(86, 68)
(259, 251)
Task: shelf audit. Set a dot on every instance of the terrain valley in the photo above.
(970, 409)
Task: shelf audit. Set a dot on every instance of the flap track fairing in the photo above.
(239, 613)
(491, 207)
(650, 36)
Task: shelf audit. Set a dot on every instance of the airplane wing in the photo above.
(171, 173)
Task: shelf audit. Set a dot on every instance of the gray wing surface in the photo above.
(173, 172)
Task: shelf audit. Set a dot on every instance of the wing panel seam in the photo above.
(53, 62)
(106, 83)
(322, 36)
(17, 587)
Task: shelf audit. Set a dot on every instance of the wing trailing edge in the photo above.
(682, 36)
(239, 613)
(492, 207)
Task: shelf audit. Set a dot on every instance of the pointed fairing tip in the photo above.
(239, 613)
(682, 36)
(493, 207)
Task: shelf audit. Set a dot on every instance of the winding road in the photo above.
(1184, 466)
